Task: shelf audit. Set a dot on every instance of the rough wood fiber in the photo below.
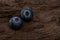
(44, 26)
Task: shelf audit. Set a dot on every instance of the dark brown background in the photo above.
(44, 26)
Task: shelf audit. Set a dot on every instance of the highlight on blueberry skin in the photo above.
(15, 23)
(26, 14)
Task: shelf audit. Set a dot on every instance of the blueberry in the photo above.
(26, 14)
(15, 23)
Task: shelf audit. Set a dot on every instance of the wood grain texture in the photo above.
(44, 26)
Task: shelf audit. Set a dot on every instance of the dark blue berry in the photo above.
(26, 14)
(15, 23)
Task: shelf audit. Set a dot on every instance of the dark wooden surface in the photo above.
(44, 26)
